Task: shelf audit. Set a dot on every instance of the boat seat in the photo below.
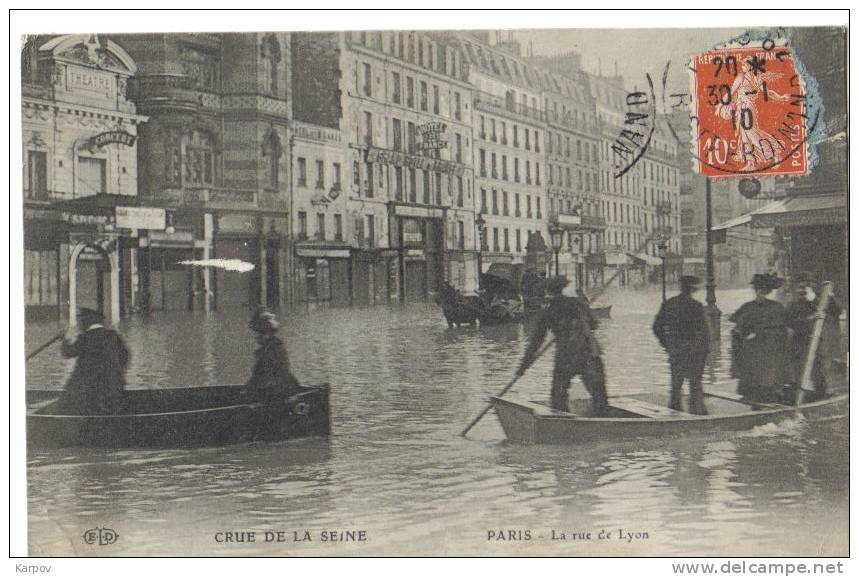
(644, 409)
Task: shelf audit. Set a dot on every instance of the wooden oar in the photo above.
(490, 404)
(819, 319)
(45, 346)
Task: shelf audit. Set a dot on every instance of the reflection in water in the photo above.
(403, 387)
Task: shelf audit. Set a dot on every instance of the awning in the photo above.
(747, 218)
(323, 252)
(803, 210)
(647, 259)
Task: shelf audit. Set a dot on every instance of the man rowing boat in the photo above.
(576, 349)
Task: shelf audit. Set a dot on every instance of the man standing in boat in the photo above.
(271, 379)
(576, 349)
(800, 320)
(97, 382)
(682, 330)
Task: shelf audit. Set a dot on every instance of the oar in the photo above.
(817, 330)
(490, 404)
(45, 346)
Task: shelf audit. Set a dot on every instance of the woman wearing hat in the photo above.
(761, 343)
(271, 378)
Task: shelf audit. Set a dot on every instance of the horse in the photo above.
(457, 308)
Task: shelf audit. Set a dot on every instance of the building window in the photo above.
(398, 182)
(438, 189)
(199, 164)
(539, 212)
(368, 129)
(320, 175)
(302, 172)
(397, 130)
(458, 147)
(368, 80)
(272, 150)
(516, 136)
(536, 141)
(426, 186)
(483, 201)
(356, 175)
(457, 106)
(461, 235)
(495, 246)
(460, 201)
(494, 135)
(494, 201)
(302, 225)
(320, 226)
(517, 206)
(37, 175)
(503, 167)
(529, 214)
(518, 240)
(371, 231)
(516, 170)
(537, 173)
(482, 162)
(200, 67)
(505, 205)
(410, 137)
(528, 172)
(413, 186)
(410, 92)
(435, 99)
(494, 166)
(337, 183)
(92, 175)
(527, 139)
(506, 240)
(396, 95)
(370, 184)
(338, 227)
(424, 96)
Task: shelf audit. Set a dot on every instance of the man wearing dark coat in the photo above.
(761, 344)
(682, 330)
(576, 349)
(800, 319)
(271, 379)
(97, 382)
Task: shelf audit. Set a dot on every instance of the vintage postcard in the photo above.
(435, 292)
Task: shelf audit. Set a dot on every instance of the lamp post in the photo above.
(480, 222)
(663, 250)
(713, 312)
(556, 235)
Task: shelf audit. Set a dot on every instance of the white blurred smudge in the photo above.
(232, 264)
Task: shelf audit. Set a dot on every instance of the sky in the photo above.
(636, 51)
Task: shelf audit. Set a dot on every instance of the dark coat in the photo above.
(271, 377)
(762, 349)
(571, 322)
(682, 329)
(98, 379)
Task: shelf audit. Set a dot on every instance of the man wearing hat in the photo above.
(761, 341)
(682, 330)
(271, 378)
(98, 379)
(576, 349)
(800, 319)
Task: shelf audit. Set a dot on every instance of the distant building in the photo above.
(80, 138)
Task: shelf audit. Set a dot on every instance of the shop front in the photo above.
(323, 273)
(420, 240)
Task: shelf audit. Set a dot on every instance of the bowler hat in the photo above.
(688, 281)
(264, 322)
(766, 281)
(556, 284)
(88, 317)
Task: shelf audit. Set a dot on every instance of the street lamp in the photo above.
(663, 252)
(556, 235)
(480, 222)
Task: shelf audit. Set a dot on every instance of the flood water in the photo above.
(403, 386)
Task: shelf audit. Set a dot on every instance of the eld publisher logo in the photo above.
(100, 536)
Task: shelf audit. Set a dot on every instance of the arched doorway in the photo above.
(100, 288)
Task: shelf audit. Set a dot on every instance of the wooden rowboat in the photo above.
(183, 417)
(630, 417)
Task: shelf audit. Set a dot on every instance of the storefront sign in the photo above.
(392, 157)
(418, 211)
(316, 133)
(136, 217)
(432, 136)
(98, 82)
(113, 137)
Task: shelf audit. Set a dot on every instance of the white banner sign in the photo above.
(140, 218)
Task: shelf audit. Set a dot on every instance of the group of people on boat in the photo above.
(770, 344)
(97, 382)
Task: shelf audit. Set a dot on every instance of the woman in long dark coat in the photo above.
(761, 343)
(271, 380)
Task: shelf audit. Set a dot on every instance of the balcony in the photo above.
(220, 198)
(160, 89)
(496, 104)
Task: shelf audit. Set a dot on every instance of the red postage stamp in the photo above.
(750, 112)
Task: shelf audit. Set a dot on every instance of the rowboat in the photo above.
(634, 416)
(178, 417)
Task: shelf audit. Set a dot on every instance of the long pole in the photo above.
(501, 393)
(557, 267)
(817, 330)
(664, 295)
(713, 312)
